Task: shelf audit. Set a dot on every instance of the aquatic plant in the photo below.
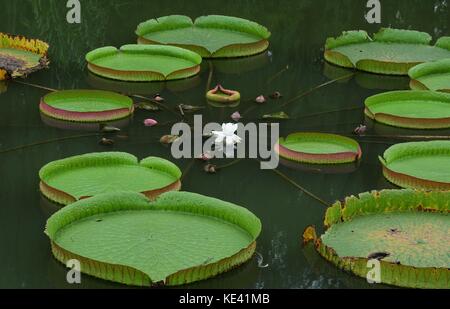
(212, 36)
(390, 51)
(221, 95)
(318, 148)
(418, 165)
(404, 230)
(431, 76)
(68, 180)
(410, 109)
(143, 62)
(177, 239)
(20, 56)
(86, 105)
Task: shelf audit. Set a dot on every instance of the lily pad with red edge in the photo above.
(212, 36)
(418, 165)
(222, 95)
(431, 76)
(408, 231)
(20, 56)
(177, 239)
(86, 105)
(390, 51)
(68, 180)
(318, 148)
(84, 126)
(143, 63)
(410, 109)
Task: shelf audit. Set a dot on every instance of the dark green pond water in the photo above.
(299, 29)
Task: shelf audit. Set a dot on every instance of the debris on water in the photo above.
(393, 230)
(148, 106)
(158, 98)
(260, 99)
(210, 168)
(106, 142)
(168, 139)
(150, 122)
(276, 95)
(236, 116)
(190, 108)
(378, 255)
(260, 260)
(108, 129)
(360, 130)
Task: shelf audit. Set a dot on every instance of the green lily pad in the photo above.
(318, 148)
(407, 231)
(419, 165)
(431, 76)
(20, 56)
(143, 62)
(177, 239)
(410, 109)
(86, 105)
(390, 51)
(68, 180)
(212, 36)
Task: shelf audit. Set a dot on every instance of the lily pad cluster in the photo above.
(114, 200)
(20, 56)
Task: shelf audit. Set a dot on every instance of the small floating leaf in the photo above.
(148, 106)
(277, 115)
(108, 128)
(190, 108)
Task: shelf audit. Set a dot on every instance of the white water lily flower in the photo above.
(227, 134)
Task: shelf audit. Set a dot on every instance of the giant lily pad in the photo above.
(410, 109)
(177, 239)
(431, 76)
(68, 180)
(143, 62)
(318, 148)
(86, 105)
(390, 51)
(212, 36)
(407, 231)
(421, 165)
(20, 56)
